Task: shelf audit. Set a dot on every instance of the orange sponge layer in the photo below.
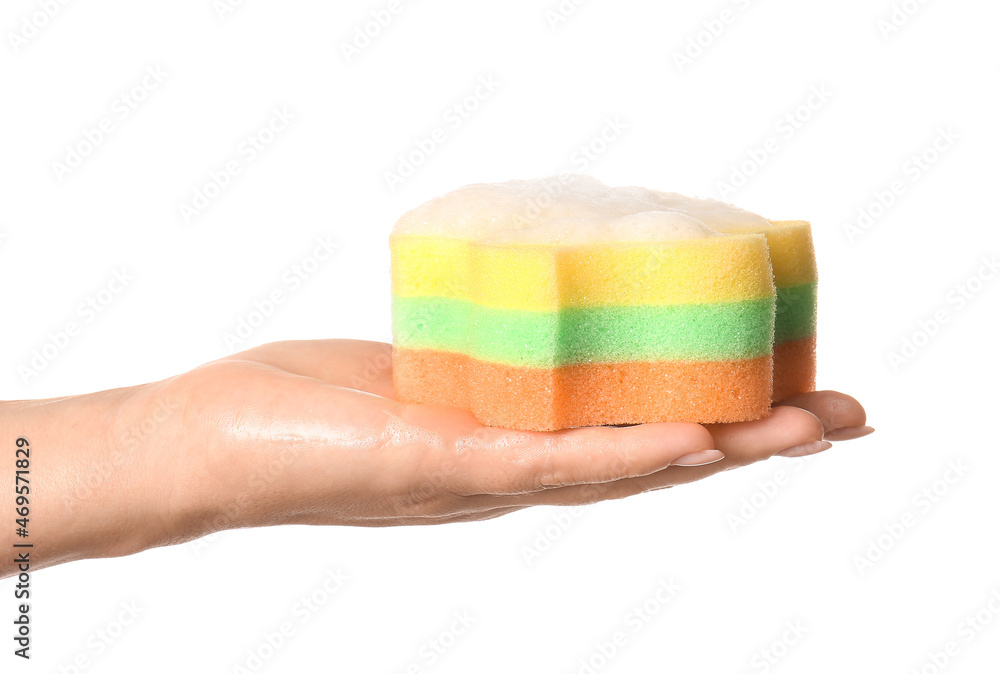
(590, 394)
(794, 367)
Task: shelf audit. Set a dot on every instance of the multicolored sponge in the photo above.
(793, 261)
(557, 303)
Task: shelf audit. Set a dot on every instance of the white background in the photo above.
(688, 127)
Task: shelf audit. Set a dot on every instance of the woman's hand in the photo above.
(308, 432)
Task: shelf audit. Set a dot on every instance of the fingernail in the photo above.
(848, 433)
(806, 449)
(702, 458)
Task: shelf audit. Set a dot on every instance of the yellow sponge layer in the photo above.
(791, 248)
(792, 255)
(545, 277)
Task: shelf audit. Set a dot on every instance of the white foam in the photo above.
(571, 209)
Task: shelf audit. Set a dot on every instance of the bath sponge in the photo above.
(793, 261)
(557, 303)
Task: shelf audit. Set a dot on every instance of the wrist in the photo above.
(162, 451)
(97, 484)
(192, 473)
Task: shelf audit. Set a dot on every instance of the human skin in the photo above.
(308, 432)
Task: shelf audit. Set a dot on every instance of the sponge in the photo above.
(557, 303)
(793, 260)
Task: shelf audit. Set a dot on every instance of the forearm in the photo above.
(87, 472)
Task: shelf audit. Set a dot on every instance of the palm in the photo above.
(313, 426)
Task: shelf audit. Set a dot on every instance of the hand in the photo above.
(308, 432)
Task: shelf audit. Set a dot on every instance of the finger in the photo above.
(472, 516)
(786, 428)
(489, 513)
(351, 363)
(741, 443)
(504, 462)
(843, 417)
(587, 494)
(513, 463)
(584, 494)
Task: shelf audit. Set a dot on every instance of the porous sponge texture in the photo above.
(794, 367)
(575, 321)
(547, 277)
(793, 260)
(588, 394)
(544, 337)
(794, 263)
(710, 331)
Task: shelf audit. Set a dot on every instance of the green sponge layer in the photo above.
(715, 332)
(795, 315)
